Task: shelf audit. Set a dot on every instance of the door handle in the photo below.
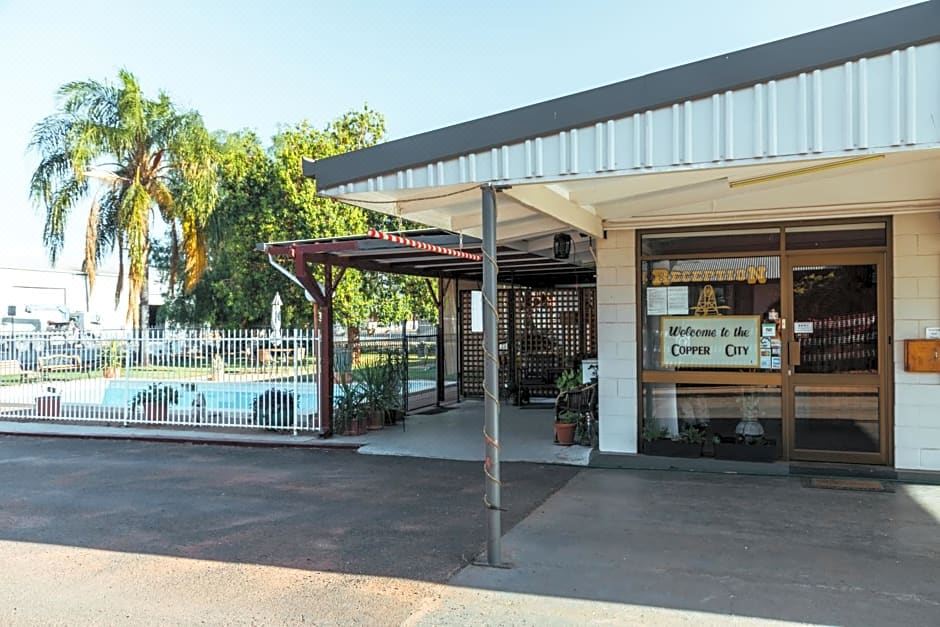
(793, 350)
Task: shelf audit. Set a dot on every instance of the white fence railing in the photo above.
(191, 378)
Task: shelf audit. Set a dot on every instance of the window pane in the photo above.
(710, 242)
(732, 413)
(841, 236)
(832, 418)
(712, 314)
(835, 312)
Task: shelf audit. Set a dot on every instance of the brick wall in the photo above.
(616, 345)
(916, 307)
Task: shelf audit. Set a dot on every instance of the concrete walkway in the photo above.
(526, 435)
(155, 434)
(666, 548)
(456, 433)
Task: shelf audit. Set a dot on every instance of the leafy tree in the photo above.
(263, 198)
(146, 154)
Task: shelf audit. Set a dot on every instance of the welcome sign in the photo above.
(710, 341)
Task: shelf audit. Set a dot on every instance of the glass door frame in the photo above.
(883, 379)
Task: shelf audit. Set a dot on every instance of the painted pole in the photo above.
(491, 499)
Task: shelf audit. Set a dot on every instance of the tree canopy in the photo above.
(263, 197)
(144, 154)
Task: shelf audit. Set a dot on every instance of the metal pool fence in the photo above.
(191, 378)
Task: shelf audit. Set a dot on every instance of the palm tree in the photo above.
(147, 157)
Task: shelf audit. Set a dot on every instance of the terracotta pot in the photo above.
(376, 419)
(111, 372)
(564, 433)
(48, 405)
(393, 416)
(356, 426)
(156, 412)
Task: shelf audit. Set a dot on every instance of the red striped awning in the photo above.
(406, 241)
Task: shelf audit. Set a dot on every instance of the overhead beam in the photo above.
(549, 203)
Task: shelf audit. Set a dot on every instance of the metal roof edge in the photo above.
(876, 34)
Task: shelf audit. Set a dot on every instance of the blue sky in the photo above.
(423, 64)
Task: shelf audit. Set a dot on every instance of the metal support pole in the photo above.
(405, 357)
(491, 500)
(326, 358)
(439, 340)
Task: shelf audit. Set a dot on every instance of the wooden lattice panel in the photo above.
(553, 329)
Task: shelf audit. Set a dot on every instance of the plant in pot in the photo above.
(113, 356)
(371, 382)
(342, 364)
(659, 441)
(745, 449)
(273, 408)
(565, 426)
(566, 420)
(155, 400)
(347, 410)
(393, 388)
(568, 380)
(49, 404)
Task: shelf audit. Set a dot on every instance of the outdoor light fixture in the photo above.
(562, 245)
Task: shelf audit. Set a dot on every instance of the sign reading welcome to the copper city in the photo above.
(710, 341)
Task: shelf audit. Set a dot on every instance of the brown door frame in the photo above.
(885, 329)
(882, 380)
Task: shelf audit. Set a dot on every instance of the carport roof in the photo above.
(524, 263)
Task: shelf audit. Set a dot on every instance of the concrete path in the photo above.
(182, 435)
(526, 434)
(667, 547)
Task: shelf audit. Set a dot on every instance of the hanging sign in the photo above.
(750, 275)
(710, 342)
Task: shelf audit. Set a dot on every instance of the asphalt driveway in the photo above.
(106, 531)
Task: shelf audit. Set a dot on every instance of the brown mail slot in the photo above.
(922, 355)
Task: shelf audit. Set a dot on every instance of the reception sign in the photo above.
(710, 341)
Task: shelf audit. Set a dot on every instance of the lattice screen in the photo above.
(554, 329)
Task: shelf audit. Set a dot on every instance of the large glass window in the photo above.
(711, 314)
(745, 415)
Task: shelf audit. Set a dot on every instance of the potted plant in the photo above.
(745, 449)
(49, 404)
(347, 410)
(155, 400)
(568, 380)
(564, 427)
(112, 361)
(659, 441)
(342, 364)
(273, 408)
(393, 388)
(371, 383)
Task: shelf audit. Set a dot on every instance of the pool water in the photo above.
(232, 396)
(216, 396)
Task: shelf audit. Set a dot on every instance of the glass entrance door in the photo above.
(835, 358)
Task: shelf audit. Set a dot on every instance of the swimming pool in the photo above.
(229, 395)
(219, 396)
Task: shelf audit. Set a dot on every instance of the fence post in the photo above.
(405, 364)
(127, 374)
(296, 348)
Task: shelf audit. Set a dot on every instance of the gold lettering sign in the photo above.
(751, 275)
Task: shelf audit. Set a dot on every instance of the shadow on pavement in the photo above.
(309, 509)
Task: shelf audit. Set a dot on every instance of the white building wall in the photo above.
(616, 342)
(916, 307)
(69, 288)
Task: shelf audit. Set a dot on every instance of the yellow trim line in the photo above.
(822, 167)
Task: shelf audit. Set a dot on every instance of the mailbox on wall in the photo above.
(922, 355)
